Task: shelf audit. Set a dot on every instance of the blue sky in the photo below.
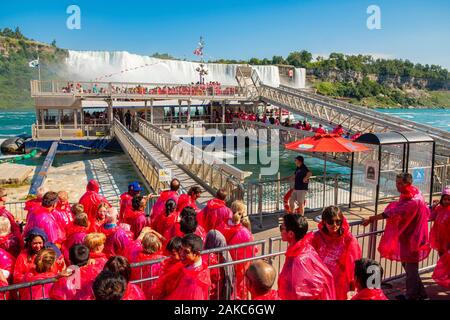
(411, 29)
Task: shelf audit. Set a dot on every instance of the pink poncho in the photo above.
(339, 255)
(405, 237)
(304, 276)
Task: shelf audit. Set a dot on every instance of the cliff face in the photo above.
(390, 81)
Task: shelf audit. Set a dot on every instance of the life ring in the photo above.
(286, 197)
(286, 200)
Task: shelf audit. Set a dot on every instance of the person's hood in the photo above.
(215, 203)
(408, 192)
(36, 232)
(93, 185)
(345, 227)
(166, 195)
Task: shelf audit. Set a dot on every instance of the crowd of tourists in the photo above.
(270, 119)
(196, 89)
(96, 244)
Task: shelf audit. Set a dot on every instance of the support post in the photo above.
(145, 110)
(151, 111)
(189, 111)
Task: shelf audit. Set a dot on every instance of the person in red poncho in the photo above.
(77, 286)
(135, 215)
(35, 241)
(7, 262)
(63, 206)
(30, 204)
(169, 223)
(187, 224)
(147, 248)
(42, 217)
(91, 199)
(109, 287)
(194, 278)
(441, 273)
(15, 229)
(223, 278)
(100, 218)
(134, 189)
(338, 249)
(158, 208)
(237, 230)
(216, 213)
(120, 266)
(304, 276)
(440, 232)
(260, 278)
(405, 237)
(170, 270)
(338, 130)
(96, 243)
(9, 241)
(320, 130)
(75, 234)
(117, 240)
(44, 269)
(368, 275)
(189, 199)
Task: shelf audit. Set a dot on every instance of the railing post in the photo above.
(336, 190)
(260, 207)
(278, 191)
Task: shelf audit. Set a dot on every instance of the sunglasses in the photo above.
(333, 222)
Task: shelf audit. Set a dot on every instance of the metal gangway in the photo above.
(151, 150)
(333, 112)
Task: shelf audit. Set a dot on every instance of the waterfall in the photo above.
(90, 65)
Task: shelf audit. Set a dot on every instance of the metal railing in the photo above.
(70, 131)
(147, 165)
(208, 170)
(132, 90)
(271, 250)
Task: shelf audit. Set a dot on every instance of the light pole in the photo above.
(202, 71)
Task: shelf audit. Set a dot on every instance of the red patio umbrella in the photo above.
(325, 143)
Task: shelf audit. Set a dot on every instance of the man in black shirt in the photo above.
(301, 178)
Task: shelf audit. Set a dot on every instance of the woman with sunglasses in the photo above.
(338, 249)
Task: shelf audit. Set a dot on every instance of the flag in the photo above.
(198, 52)
(33, 64)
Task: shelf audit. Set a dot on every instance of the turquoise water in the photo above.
(13, 123)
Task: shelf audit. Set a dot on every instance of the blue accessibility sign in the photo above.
(418, 175)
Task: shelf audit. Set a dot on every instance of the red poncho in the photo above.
(304, 276)
(370, 294)
(193, 284)
(14, 226)
(7, 262)
(42, 218)
(440, 231)
(184, 201)
(159, 208)
(11, 243)
(170, 225)
(96, 225)
(91, 199)
(441, 272)
(168, 279)
(4, 295)
(75, 235)
(133, 292)
(25, 264)
(215, 215)
(148, 271)
(136, 220)
(30, 204)
(37, 293)
(117, 241)
(66, 210)
(99, 258)
(339, 255)
(68, 288)
(405, 237)
(174, 231)
(271, 295)
(125, 203)
(238, 234)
